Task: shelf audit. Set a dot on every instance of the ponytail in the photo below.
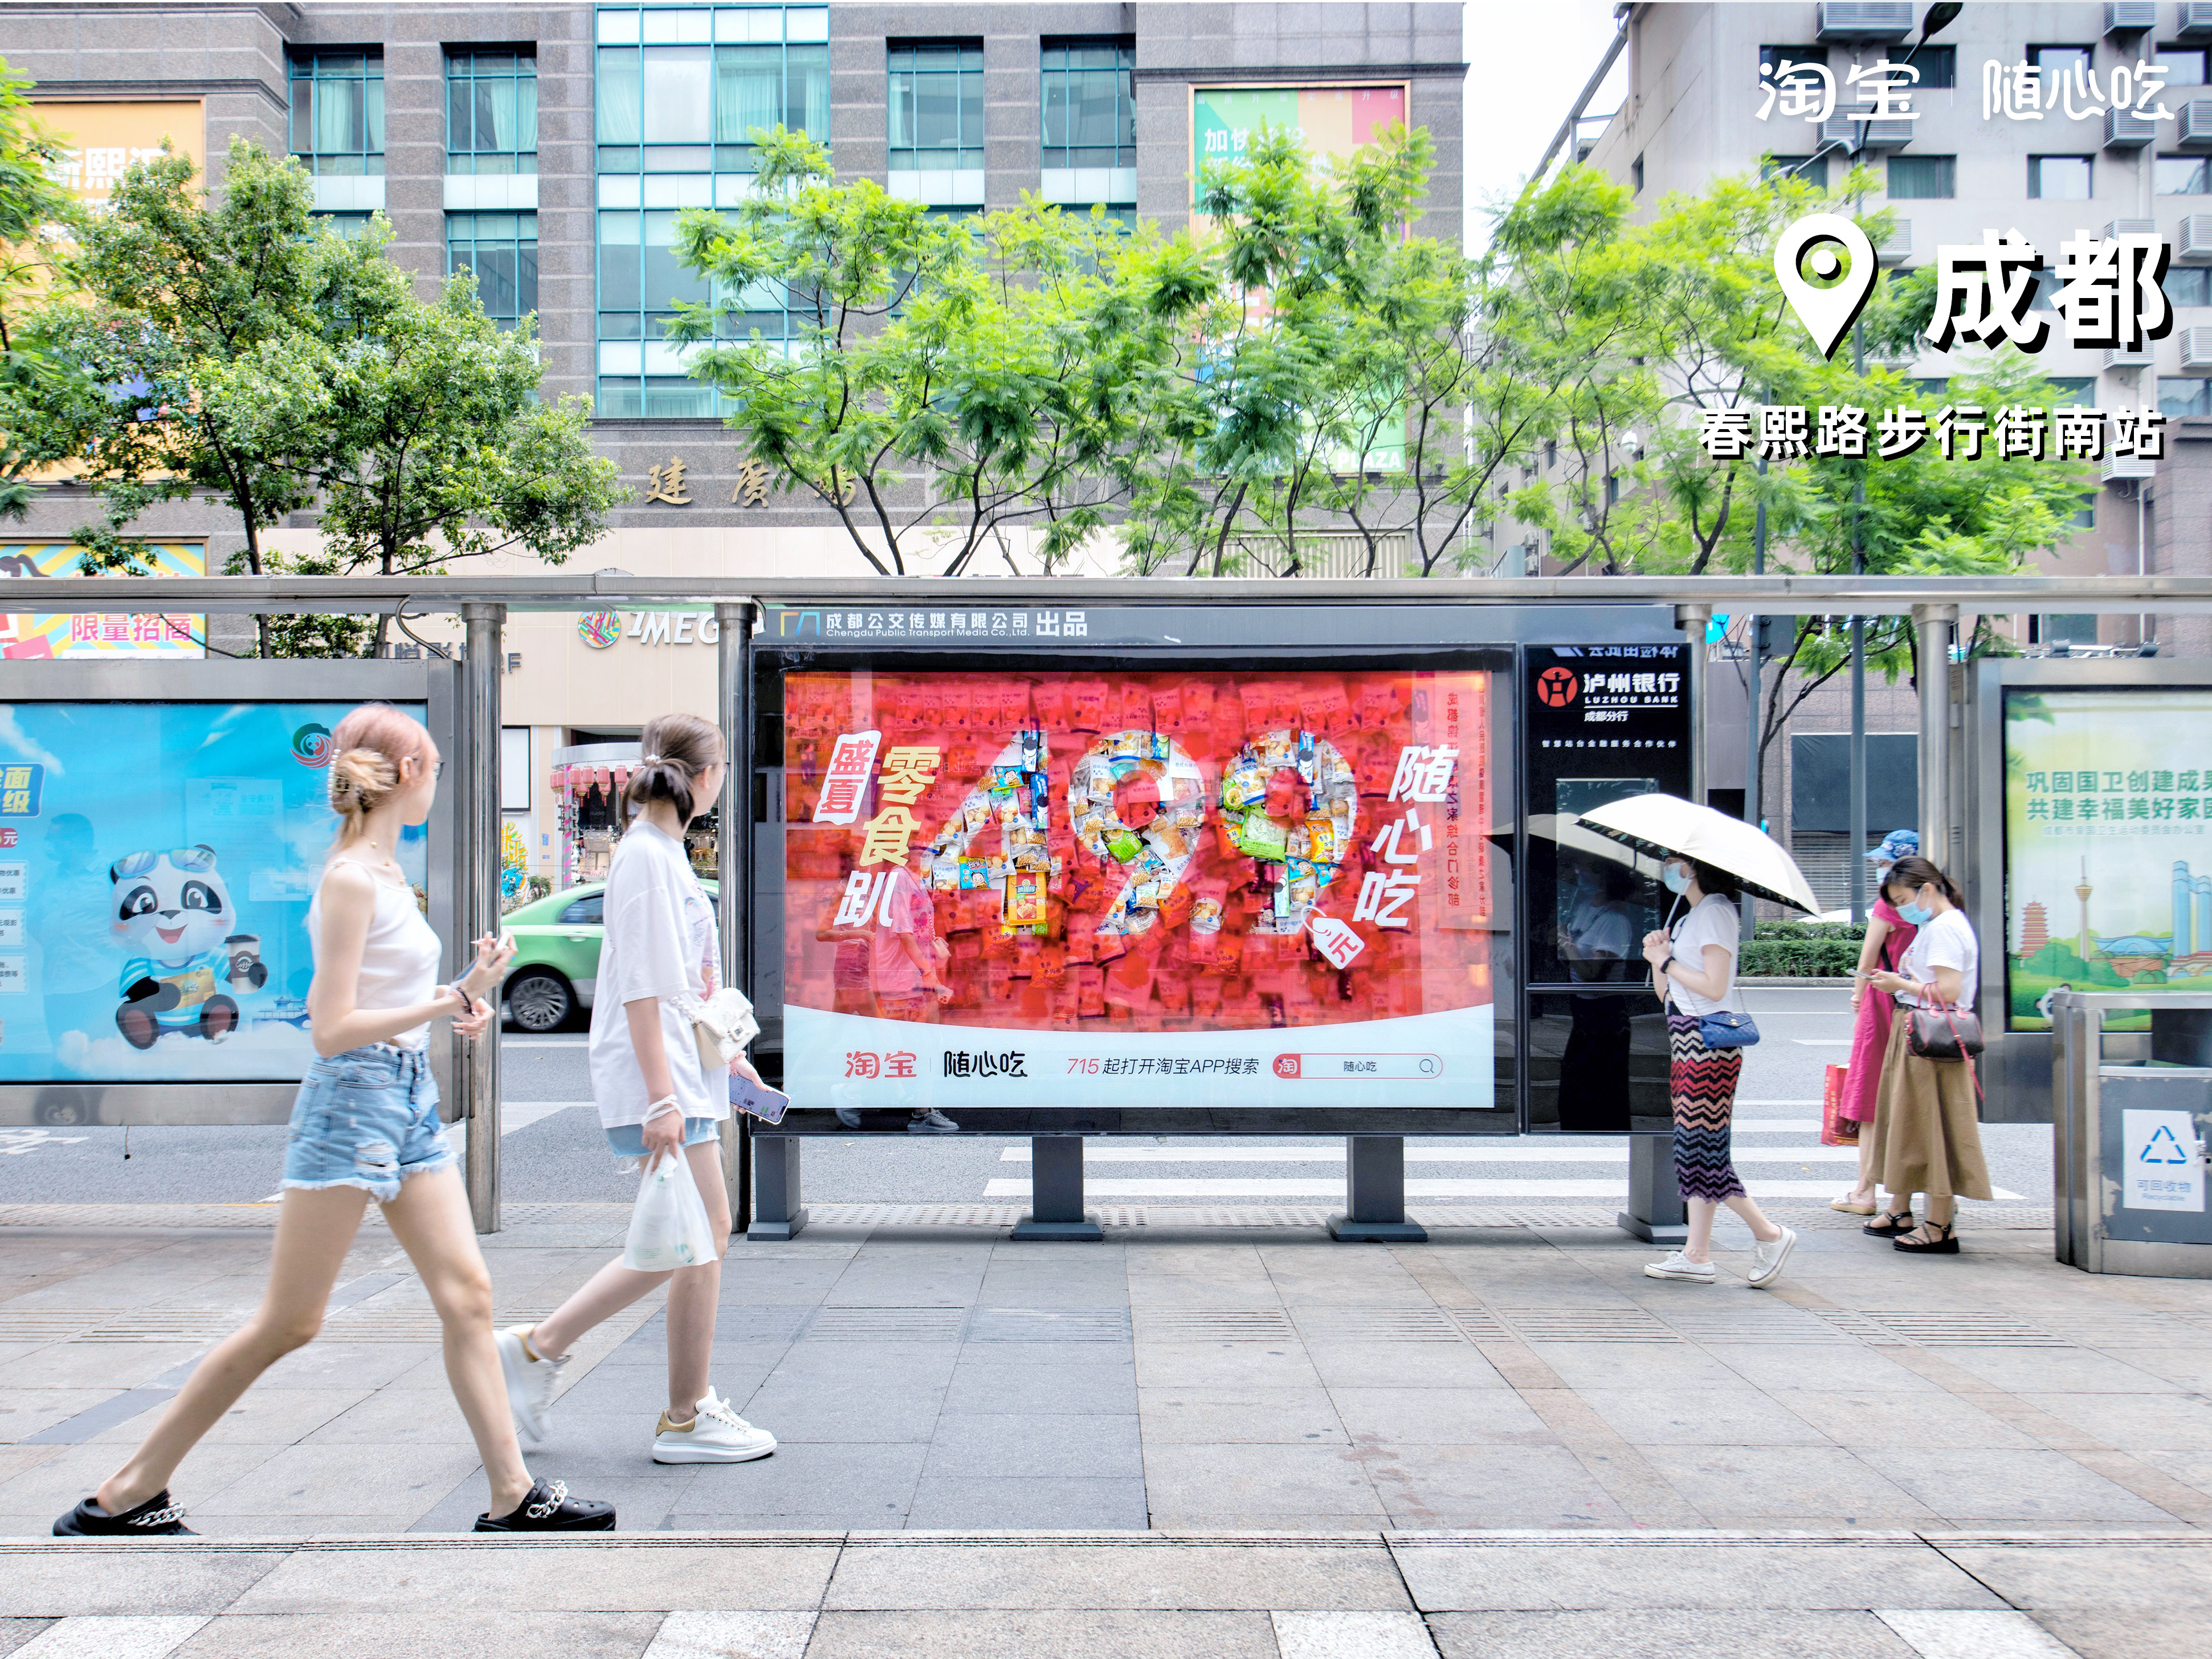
(673, 751)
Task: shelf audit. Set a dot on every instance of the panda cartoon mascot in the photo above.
(174, 919)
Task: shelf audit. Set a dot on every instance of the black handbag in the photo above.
(1944, 1033)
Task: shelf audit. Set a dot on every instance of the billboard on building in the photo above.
(155, 863)
(104, 137)
(1332, 120)
(2108, 845)
(1122, 888)
(96, 634)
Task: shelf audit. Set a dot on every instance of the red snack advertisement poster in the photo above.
(1136, 887)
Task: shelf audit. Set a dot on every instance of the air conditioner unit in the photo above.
(2192, 126)
(2143, 357)
(2197, 350)
(1888, 135)
(1873, 20)
(2129, 227)
(2121, 469)
(1845, 130)
(2132, 17)
(2126, 130)
(2192, 240)
(2195, 23)
(1895, 248)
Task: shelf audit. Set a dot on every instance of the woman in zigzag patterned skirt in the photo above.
(1693, 973)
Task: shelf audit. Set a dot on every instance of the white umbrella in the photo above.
(1666, 826)
(1573, 838)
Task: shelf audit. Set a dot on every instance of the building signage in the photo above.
(103, 139)
(94, 633)
(601, 630)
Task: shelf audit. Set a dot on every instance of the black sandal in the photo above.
(547, 1507)
(1946, 1245)
(157, 1517)
(1885, 1225)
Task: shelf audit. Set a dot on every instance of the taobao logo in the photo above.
(311, 745)
(1555, 686)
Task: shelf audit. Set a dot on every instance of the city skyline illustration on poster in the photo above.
(155, 863)
(1139, 888)
(2108, 846)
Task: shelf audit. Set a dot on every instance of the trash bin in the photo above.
(2129, 1165)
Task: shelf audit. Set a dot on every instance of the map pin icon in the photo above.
(1811, 244)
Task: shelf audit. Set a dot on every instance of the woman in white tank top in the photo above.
(365, 1125)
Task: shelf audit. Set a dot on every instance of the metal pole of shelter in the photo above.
(1655, 1211)
(479, 874)
(1751, 689)
(1931, 624)
(733, 650)
(1858, 801)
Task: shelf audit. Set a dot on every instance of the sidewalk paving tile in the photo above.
(2049, 1486)
(1705, 1417)
(1237, 1366)
(56, 1484)
(1074, 1634)
(1385, 1365)
(50, 1580)
(587, 1574)
(335, 1483)
(1438, 1417)
(2132, 1633)
(1426, 1487)
(93, 1367)
(404, 1634)
(1012, 1503)
(1300, 1635)
(1156, 1572)
(1667, 1636)
(2165, 1422)
(859, 1482)
(25, 1412)
(1781, 1482)
(2069, 1575)
(1604, 1575)
(1862, 1420)
(874, 1405)
(1331, 1480)
(1074, 1383)
(988, 1444)
(1174, 1415)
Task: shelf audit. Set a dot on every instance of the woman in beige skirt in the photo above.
(1927, 1135)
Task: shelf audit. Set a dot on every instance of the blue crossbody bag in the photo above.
(1724, 1028)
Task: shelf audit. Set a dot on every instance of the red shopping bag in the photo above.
(1836, 1129)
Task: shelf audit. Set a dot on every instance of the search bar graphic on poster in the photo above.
(1337, 1068)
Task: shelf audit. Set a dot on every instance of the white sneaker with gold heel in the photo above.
(716, 1435)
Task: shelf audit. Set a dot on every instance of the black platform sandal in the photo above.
(1946, 1245)
(547, 1507)
(157, 1517)
(1891, 1226)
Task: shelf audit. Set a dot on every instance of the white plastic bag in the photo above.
(669, 1228)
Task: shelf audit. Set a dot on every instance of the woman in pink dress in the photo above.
(1888, 936)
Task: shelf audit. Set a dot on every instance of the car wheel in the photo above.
(539, 1001)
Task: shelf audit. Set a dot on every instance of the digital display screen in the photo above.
(1103, 888)
(155, 863)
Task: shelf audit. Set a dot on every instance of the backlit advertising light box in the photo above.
(1116, 888)
(156, 860)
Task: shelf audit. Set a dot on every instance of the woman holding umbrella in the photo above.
(1708, 860)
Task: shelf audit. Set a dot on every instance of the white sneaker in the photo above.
(1678, 1266)
(529, 1382)
(1766, 1259)
(717, 1434)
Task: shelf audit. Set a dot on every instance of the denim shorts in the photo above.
(367, 1118)
(628, 1139)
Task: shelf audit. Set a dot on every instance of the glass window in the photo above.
(936, 95)
(2185, 397)
(2055, 61)
(337, 112)
(679, 92)
(501, 248)
(1814, 172)
(2045, 294)
(491, 112)
(2073, 629)
(589, 911)
(1922, 177)
(1929, 386)
(1938, 67)
(2059, 178)
(1090, 103)
(2183, 66)
(2075, 390)
(2183, 175)
(2188, 285)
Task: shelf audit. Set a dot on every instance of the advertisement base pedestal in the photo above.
(777, 1212)
(1347, 1230)
(1056, 1194)
(1375, 1194)
(1655, 1212)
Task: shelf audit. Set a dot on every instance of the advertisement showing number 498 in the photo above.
(1132, 890)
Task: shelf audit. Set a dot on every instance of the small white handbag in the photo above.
(723, 1024)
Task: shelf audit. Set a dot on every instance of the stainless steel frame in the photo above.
(2081, 1193)
(429, 682)
(2016, 1066)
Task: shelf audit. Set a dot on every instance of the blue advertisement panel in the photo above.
(155, 863)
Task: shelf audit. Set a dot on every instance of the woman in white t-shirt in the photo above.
(1927, 1132)
(1693, 973)
(661, 961)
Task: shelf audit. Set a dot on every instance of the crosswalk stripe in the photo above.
(1330, 1186)
(1566, 1152)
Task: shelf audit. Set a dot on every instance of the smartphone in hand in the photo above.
(757, 1099)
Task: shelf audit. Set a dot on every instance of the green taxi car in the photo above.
(557, 956)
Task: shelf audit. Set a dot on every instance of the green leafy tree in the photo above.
(950, 381)
(33, 208)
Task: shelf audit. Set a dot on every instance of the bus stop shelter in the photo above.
(1413, 648)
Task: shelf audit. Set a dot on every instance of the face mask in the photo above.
(1918, 915)
(1677, 879)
